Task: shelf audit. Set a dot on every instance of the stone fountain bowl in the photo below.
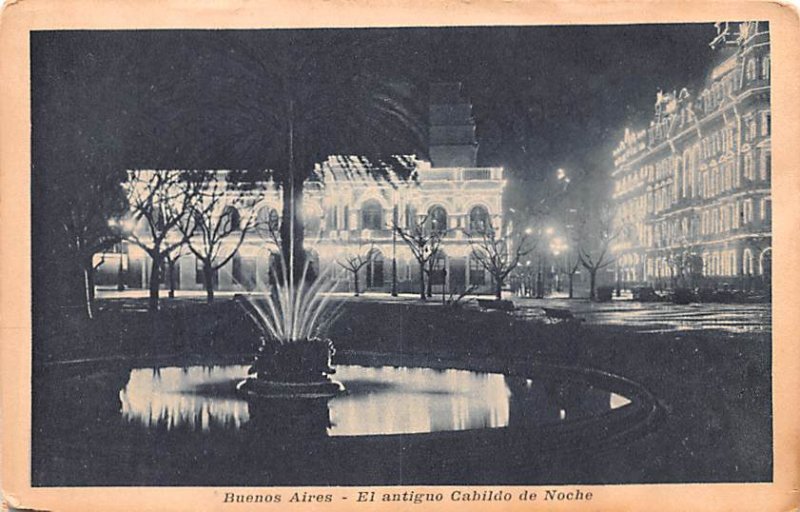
(298, 369)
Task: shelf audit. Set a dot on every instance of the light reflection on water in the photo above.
(379, 400)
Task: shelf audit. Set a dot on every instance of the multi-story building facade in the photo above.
(693, 189)
(348, 210)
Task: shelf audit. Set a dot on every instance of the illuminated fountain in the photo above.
(293, 360)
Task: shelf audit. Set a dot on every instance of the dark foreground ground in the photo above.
(714, 388)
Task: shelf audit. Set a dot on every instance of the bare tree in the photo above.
(171, 260)
(597, 230)
(500, 253)
(424, 243)
(160, 201)
(353, 262)
(214, 228)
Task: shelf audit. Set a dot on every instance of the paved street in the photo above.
(661, 317)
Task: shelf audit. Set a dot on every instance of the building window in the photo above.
(437, 275)
(751, 70)
(236, 269)
(748, 211)
(267, 221)
(346, 217)
(765, 122)
(748, 167)
(371, 215)
(765, 164)
(747, 262)
(477, 276)
(198, 274)
(375, 271)
(333, 218)
(767, 216)
(437, 219)
(765, 63)
(230, 220)
(478, 219)
(410, 221)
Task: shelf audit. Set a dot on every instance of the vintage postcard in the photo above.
(334, 255)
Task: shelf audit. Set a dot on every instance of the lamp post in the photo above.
(119, 228)
(394, 251)
(120, 280)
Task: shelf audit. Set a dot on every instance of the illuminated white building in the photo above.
(697, 181)
(348, 210)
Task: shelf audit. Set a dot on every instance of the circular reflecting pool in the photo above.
(378, 400)
(399, 421)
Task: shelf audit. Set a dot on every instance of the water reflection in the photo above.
(379, 400)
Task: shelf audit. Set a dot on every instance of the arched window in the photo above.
(230, 219)
(747, 262)
(437, 219)
(375, 270)
(312, 218)
(765, 263)
(751, 69)
(371, 215)
(268, 221)
(478, 219)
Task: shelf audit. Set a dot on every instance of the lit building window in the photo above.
(765, 164)
(437, 219)
(751, 69)
(765, 122)
(478, 219)
(765, 63)
(477, 276)
(333, 218)
(748, 167)
(747, 262)
(371, 215)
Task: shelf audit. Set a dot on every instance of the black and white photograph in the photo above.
(402, 256)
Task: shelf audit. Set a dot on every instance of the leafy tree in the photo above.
(76, 169)
(84, 222)
(285, 101)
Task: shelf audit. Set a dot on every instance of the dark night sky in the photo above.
(544, 97)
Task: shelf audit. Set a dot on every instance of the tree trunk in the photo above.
(171, 279)
(422, 281)
(571, 280)
(87, 293)
(430, 284)
(208, 281)
(297, 234)
(355, 281)
(155, 281)
(592, 280)
(498, 288)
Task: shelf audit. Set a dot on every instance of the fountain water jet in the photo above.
(294, 360)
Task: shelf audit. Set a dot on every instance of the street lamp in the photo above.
(120, 228)
(394, 251)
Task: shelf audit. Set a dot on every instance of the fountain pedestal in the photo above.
(299, 369)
